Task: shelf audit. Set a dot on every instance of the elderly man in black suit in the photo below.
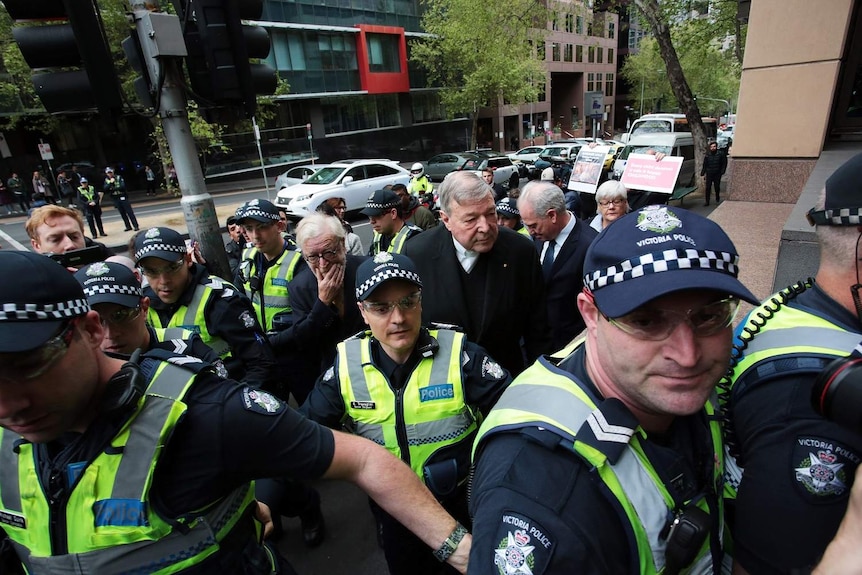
(562, 241)
(483, 278)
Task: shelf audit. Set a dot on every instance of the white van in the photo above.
(655, 123)
(670, 144)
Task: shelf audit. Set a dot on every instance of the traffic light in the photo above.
(66, 34)
(220, 47)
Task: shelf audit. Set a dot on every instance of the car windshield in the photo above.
(651, 127)
(549, 152)
(642, 150)
(324, 176)
(473, 164)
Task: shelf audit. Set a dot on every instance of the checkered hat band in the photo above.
(506, 208)
(258, 213)
(666, 261)
(149, 248)
(844, 216)
(379, 206)
(44, 311)
(97, 289)
(387, 274)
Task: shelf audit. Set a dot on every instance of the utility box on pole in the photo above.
(161, 40)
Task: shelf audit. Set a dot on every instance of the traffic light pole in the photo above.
(197, 204)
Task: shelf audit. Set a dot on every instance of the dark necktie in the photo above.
(548, 260)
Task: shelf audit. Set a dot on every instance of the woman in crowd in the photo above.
(338, 207)
(612, 201)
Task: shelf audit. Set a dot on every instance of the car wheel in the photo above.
(514, 181)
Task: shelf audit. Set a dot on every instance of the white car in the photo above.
(296, 175)
(353, 180)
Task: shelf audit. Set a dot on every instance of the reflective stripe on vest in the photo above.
(88, 193)
(111, 526)
(431, 412)
(276, 298)
(547, 397)
(193, 316)
(802, 341)
(397, 243)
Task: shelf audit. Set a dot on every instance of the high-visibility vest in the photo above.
(429, 413)
(88, 193)
(397, 244)
(193, 316)
(273, 287)
(418, 186)
(109, 524)
(547, 397)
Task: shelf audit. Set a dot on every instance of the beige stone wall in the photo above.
(790, 71)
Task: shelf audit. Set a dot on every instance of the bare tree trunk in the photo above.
(737, 46)
(652, 12)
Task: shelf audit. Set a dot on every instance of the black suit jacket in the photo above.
(565, 283)
(514, 294)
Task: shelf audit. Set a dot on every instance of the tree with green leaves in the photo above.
(483, 53)
(660, 20)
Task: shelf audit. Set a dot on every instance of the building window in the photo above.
(351, 114)
(598, 87)
(635, 37)
(610, 55)
(570, 23)
(567, 53)
(555, 51)
(612, 30)
(600, 55)
(591, 55)
(609, 84)
(590, 28)
(591, 78)
(540, 50)
(427, 107)
(542, 95)
(555, 24)
(579, 27)
(383, 52)
(579, 53)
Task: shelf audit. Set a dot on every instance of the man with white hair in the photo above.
(482, 277)
(562, 241)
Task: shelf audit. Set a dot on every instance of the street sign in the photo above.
(45, 152)
(594, 104)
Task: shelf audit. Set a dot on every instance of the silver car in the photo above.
(296, 175)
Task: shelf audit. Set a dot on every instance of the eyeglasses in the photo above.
(329, 255)
(31, 364)
(340, 208)
(120, 316)
(384, 308)
(165, 271)
(615, 201)
(654, 324)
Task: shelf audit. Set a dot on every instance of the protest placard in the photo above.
(643, 172)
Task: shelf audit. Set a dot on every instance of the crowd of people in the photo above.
(514, 386)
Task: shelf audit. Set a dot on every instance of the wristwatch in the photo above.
(451, 544)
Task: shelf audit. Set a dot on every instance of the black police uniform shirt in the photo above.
(784, 518)
(230, 317)
(193, 346)
(231, 434)
(484, 381)
(529, 491)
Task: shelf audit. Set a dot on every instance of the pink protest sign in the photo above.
(643, 172)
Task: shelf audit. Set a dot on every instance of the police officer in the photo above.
(183, 294)
(419, 183)
(610, 460)
(111, 467)
(798, 467)
(418, 392)
(509, 216)
(384, 211)
(114, 292)
(115, 186)
(90, 202)
(268, 266)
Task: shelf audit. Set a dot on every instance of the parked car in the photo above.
(296, 175)
(556, 153)
(524, 157)
(505, 172)
(438, 166)
(724, 139)
(353, 180)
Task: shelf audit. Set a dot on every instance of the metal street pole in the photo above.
(260, 154)
(198, 206)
